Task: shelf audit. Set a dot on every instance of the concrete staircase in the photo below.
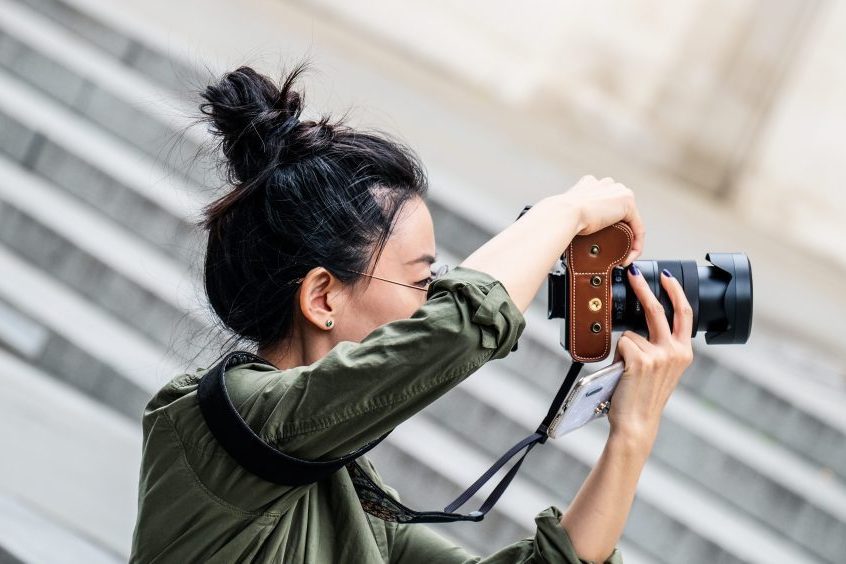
(100, 299)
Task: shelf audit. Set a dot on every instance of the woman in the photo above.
(320, 255)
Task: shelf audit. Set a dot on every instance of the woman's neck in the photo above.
(295, 351)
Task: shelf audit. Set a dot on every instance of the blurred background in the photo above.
(726, 117)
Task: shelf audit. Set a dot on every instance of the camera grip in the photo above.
(589, 260)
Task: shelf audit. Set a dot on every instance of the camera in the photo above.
(590, 291)
(719, 293)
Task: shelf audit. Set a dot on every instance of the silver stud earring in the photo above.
(329, 323)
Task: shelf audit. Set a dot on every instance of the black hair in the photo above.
(302, 194)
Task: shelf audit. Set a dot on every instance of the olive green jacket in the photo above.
(195, 504)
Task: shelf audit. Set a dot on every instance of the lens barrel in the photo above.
(720, 295)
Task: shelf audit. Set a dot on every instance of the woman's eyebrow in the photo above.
(423, 258)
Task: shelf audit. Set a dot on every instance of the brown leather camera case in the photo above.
(589, 260)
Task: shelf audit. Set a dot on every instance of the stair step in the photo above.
(759, 476)
(51, 430)
(97, 258)
(54, 352)
(123, 166)
(774, 398)
(174, 235)
(26, 536)
(20, 333)
(140, 364)
(119, 100)
(121, 43)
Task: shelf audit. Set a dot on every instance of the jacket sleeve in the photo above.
(360, 390)
(415, 543)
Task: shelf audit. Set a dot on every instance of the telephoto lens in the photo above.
(719, 293)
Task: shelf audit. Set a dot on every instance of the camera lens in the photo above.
(719, 293)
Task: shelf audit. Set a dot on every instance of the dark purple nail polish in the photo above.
(634, 269)
(666, 273)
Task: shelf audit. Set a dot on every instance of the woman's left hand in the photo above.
(654, 366)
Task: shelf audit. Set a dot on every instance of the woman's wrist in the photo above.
(635, 444)
(564, 206)
(521, 255)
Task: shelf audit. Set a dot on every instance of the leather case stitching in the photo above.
(607, 295)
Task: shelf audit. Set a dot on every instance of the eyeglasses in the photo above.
(443, 269)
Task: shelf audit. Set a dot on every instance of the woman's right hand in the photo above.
(521, 255)
(605, 202)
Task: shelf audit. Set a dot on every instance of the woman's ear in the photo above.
(319, 293)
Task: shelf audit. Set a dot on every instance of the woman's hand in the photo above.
(652, 367)
(604, 202)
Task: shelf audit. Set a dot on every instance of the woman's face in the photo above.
(407, 258)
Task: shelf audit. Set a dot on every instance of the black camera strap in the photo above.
(273, 465)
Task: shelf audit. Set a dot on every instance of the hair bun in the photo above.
(253, 119)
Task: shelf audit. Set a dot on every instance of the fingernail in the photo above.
(634, 269)
(666, 273)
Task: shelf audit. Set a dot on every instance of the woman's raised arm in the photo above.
(360, 390)
(521, 256)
